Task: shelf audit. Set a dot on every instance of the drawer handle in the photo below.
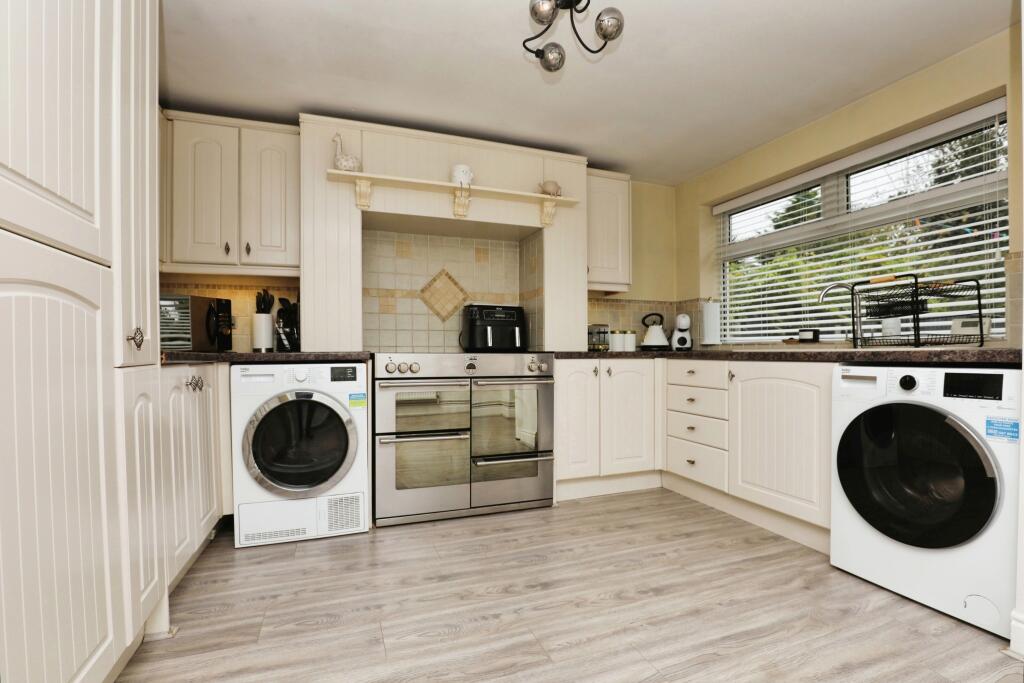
(691, 399)
(691, 461)
(691, 372)
(227, 248)
(691, 428)
(137, 337)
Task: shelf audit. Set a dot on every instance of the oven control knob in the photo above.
(414, 368)
(470, 368)
(907, 382)
(301, 376)
(543, 367)
(532, 367)
(403, 367)
(390, 367)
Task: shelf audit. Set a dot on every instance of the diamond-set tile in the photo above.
(443, 295)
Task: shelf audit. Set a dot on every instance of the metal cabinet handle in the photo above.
(691, 461)
(732, 375)
(248, 249)
(691, 428)
(191, 383)
(690, 399)
(227, 248)
(137, 337)
(199, 383)
(609, 370)
(595, 371)
(691, 372)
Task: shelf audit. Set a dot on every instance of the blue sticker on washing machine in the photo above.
(1002, 428)
(357, 400)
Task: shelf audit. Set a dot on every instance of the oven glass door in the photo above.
(422, 473)
(409, 406)
(511, 416)
(917, 475)
(512, 479)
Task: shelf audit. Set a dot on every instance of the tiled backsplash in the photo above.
(531, 283)
(397, 266)
(242, 292)
(625, 314)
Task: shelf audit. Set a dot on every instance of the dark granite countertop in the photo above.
(950, 355)
(168, 357)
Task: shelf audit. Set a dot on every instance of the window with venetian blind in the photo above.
(936, 207)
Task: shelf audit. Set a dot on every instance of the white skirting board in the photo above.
(571, 489)
(814, 537)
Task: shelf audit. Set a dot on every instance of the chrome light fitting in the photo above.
(608, 27)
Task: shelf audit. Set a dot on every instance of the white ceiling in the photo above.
(690, 84)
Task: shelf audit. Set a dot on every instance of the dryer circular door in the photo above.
(299, 443)
(917, 474)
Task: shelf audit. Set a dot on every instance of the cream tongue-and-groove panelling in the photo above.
(242, 292)
(409, 304)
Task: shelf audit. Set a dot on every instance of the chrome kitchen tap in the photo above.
(834, 285)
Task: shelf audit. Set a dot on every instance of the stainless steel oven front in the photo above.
(449, 445)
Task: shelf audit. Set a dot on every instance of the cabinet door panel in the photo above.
(58, 511)
(270, 198)
(56, 122)
(779, 423)
(609, 246)
(140, 472)
(627, 416)
(208, 466)
(176, 448)
(577, 419)
(205, 193)
(137, 231)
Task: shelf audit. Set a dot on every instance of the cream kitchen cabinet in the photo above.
(604, 417)
(609, 233)
(59, 492)
(139, 473)
(577, 419)
(779, 445)
(204, 193)
(190, 476)
(697, 420)
(136, 235)
(269, 208)
(234, 204)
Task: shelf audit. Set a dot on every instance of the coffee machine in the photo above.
(681, 338)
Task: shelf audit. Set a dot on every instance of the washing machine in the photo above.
(925, 485)
(299, 445)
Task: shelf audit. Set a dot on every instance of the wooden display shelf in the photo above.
(461, 195)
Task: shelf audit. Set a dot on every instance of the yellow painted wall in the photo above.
(980, 73)
(653, 215)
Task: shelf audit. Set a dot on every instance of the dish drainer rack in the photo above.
(908, 297)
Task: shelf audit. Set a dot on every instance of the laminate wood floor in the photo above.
(646, 586)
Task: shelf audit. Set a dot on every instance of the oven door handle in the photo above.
(430, 437)
(423, 383)
(482, 463)
(510, 382)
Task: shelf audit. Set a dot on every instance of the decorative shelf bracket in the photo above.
(460, 202)
(547, 212)
(364, 189)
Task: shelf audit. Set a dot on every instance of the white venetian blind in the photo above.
(938, 210)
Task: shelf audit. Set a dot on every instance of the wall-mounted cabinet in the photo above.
(609, 233)
(234, 197)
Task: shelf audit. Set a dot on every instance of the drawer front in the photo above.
(705, 430)
(697, 462)
(698, 401)
(713, 374)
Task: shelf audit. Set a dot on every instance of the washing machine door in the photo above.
(918, 475)
(299, 443)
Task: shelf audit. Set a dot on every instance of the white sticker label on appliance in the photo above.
(1002, 428)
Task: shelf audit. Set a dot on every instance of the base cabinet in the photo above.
(604, 417)
(779, 447)
(190, 473)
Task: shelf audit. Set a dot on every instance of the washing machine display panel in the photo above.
(917, 475)
(300, 443)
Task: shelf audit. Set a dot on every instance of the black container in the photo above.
(493, 329)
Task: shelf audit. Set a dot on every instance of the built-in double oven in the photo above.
(461, 434)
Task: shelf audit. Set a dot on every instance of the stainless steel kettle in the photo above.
(655, 337)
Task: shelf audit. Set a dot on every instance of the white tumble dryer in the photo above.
(299, 451)
(925, 485)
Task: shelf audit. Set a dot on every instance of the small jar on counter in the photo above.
(622, 340)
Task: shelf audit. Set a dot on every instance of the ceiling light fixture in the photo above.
(608, 27)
